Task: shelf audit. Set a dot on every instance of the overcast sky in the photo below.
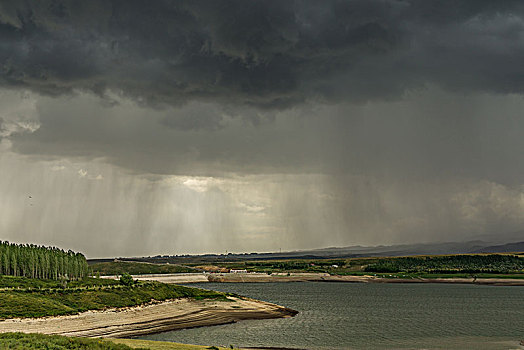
(171, 127)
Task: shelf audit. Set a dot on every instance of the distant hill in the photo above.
(503, 248)
(473, 246)
(498, 238)
(402, 249)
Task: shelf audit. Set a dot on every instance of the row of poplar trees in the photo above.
(34, 261)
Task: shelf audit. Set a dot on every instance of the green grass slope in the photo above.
(24, 303)
(137, 268)
(23, 341)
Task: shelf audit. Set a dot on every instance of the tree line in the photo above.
(32, 261)
(492, 263)
(295, 264)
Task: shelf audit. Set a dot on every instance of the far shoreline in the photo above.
(188, 278)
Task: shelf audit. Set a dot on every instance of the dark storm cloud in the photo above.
(267, 54)
(201, 125)
(204, 73)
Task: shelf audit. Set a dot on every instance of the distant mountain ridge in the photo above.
(484, 243)
(475, 246)
(503, 248)
(441, 248)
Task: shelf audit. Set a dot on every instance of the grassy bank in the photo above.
(55, 301)
(40, 341)
(24, 341)
(163, 345)
(11, 282)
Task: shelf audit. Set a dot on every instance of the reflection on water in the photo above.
(369, 316)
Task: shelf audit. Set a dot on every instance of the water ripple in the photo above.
(371, 316)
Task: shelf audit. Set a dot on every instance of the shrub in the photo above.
(127, 280)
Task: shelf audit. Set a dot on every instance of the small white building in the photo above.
(238, 271)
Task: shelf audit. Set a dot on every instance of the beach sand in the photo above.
(154, 318)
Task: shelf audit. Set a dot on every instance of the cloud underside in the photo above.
(385, 88)
(430, 135)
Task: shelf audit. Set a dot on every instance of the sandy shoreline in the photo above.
(313, 277)
(155, 318)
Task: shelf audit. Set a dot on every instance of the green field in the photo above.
(471, 264)
(447, 266)
(137, 268)
(269, 266)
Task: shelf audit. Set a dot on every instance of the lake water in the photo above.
(372, 316)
